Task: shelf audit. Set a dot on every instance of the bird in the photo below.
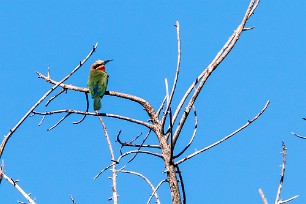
(97, 82)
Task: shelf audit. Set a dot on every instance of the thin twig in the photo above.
(226, 137)
(193, 134)
(61, 120)
(133, 140)
(42, 120)
(284, 149)
(56, 95)
(170, 97)
(263, 197)
(95, 114)
(144, 178)
(1, 170)
(300, 136)
(182, 183)
(143, 141)
(114, 170)
(71, 198)
(288, 200)
(277, 199)
(11, 131)
(208, 71)
(126, 154)
(161, 106)
(109, 166)
(87, 106)
(156, 188)
(14, 183)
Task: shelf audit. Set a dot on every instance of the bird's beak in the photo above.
(106, 61)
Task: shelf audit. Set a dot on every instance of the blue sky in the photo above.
(267, 63)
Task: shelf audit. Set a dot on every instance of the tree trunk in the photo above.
(170, 169)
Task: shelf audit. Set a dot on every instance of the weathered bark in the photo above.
(169, 165)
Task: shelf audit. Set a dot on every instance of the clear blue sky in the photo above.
(268, 63)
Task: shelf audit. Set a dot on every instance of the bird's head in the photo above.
(99, 65)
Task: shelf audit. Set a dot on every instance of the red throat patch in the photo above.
(101, 68)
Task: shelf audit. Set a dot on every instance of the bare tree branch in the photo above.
(277, 199)
(282, 173)
(263, 197)
(288, 200)
(226, 137)
(141, 145)
(61, 120)
(95, 114)
(158, 185)
(144, 178)
(109, 166)
(170, 97)
(131, 144)
(161, 106)
(71, 198)
(300, 136)
(148, 108)
(280, 186)
(126, 154)
(56, 95)
(14, 183)
(87, 106)
(11, 131)
(209, 70)
(182, 183)
(114, 170)
(193, 134)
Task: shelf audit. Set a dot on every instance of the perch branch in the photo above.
(226, 137)
(148, 108)
(208, 71)
(11, 131)
(144, 178)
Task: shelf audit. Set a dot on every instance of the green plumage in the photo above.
(97, 83)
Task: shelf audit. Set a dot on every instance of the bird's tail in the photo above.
(97, 103)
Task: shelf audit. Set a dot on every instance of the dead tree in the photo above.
(165, 123)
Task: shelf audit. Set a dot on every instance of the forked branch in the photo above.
(11, 131)
(147, 107)
(226, 137)
(14, 183)
(280, 186)
(202, 78)
(145, 179)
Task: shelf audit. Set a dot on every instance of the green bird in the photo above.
(97, 82)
